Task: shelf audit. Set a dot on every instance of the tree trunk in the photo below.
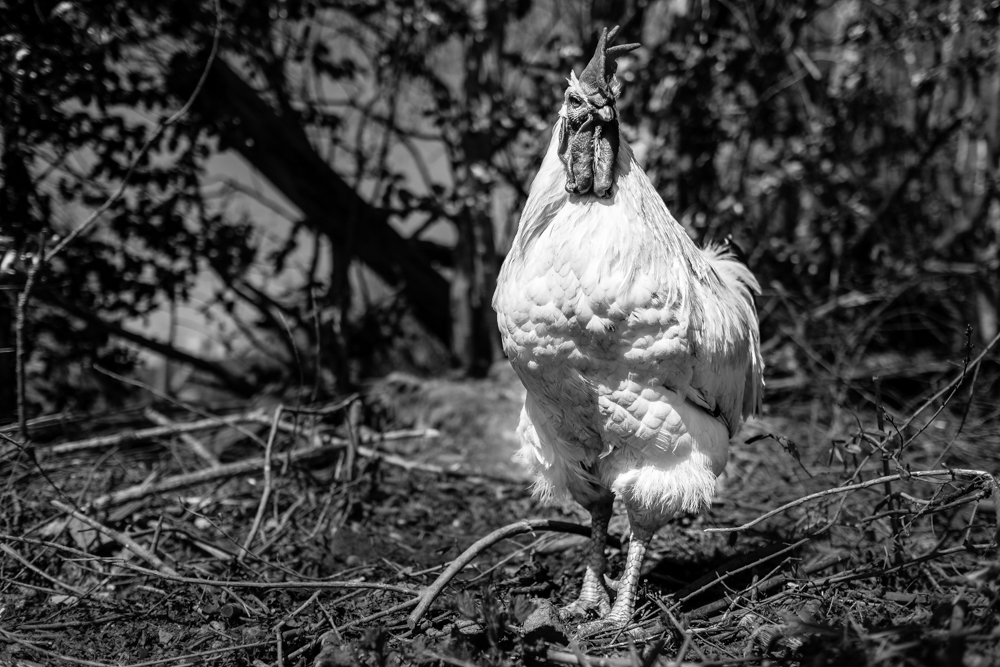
(475, 339)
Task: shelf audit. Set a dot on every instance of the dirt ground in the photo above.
(308, 537)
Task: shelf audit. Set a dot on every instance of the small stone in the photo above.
(543, 624)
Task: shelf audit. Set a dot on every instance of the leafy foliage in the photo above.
(83, 81)
(849, 148)
(833, 140)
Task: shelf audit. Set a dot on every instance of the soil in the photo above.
(399, 489)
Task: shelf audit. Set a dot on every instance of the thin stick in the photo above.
(884, 440)
(318, 640)
(855, 487)
(965, 415)
(126, 437)
(120, 538)
(385, 612)
(957, 381)
(223, 583)
(173, 660)
(266, 494)
(202, 476)
(19, 325)
(406, 464)
(301, 608)
(399, 461)
(685, 633)
(565, 658)
(327, 410)
(268, 585)
(726, 575)
(855, 576)
(170, 399)
(248, 466)
(18, 557)
(197, 446)
(761, 586)
(530, 526)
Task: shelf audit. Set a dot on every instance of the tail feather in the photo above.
(737, 277)
(734, 273)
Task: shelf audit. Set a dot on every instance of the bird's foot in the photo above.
(593, 601)
(610, 625)
(581, 609)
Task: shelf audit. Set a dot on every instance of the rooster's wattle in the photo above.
(639, 351)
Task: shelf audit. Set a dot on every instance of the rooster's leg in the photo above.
(593, 594)
(621, 612)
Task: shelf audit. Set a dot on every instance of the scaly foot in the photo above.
(606, 624)
(610, 626)
(593, 600)
(621, 613)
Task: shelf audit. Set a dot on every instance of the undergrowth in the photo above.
(292, 535)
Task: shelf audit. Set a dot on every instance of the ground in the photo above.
(134, 549)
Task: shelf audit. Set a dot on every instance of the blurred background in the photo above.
(337, 193)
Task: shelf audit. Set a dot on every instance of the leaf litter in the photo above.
(391, 528)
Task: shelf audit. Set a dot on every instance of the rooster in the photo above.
(639, 352)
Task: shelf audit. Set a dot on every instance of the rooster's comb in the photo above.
(600, 72)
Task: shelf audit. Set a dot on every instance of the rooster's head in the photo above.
(588, 141)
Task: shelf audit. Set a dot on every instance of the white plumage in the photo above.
(638, 350)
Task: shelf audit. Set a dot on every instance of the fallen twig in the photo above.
(953, 472)
(761, 586)
(197, 446)
(196, 658)
(530, 526)
(567, 658)
(393, 459)
(20, 325)
(266, 493)
(120, 538)
(881, 572)
(61, 584)
(367, 619)
(228, 470)
(222, 583)
(945, 389)
(125, 437)
(246, 466)
(885, 440)
(267, 585)
(749, 566)
(406, 464)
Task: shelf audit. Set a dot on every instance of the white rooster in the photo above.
(639, 351)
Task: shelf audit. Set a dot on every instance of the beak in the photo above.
(606, 113)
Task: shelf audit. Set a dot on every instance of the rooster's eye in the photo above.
(575, 101)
